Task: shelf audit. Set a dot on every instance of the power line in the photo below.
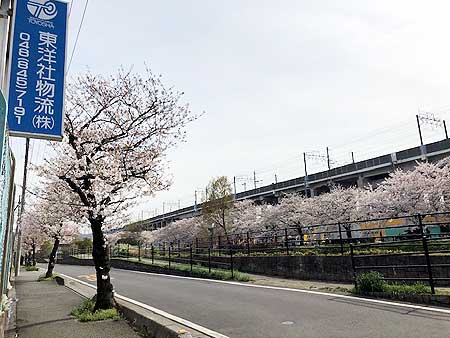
(70, 8)
(78, 35)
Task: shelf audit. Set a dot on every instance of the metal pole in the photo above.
(286, 241)
(231, 263)
(427, 254)
(306, 175)
(22, 205)
(328, 159)
(234, 185)
(195, 203)
(190, 252)
(353, 265)
(340, 239)
(445, 129)
(169, 256)
(248, 244)
(420, 131)
(353, 158)
(209, 260)
(153, 255)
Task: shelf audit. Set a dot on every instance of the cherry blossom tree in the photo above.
(53, 213)
(340, 205)
(184, 230)
(247, 216)
(117, 132)
(32, 236)
(425, 189)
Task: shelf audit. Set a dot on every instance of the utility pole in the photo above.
(22, 205)
(445, 129)
(420, 131)
(353, 158)
(328, 159)
(255, 181)
(234, 186)
(306, 175)
(195, 203)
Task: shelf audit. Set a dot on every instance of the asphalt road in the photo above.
(247, 312)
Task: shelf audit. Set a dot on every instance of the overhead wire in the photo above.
(78, 36)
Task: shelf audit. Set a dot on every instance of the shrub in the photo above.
(370, 282)
(85, 312)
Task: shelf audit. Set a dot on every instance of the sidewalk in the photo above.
(43, 311)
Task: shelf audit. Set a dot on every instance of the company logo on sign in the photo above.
(42, 9)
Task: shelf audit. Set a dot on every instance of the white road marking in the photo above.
(179, 320)
(334, 295)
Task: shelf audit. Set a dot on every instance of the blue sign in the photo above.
(37, 69)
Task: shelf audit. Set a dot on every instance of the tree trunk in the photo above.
(300, 234)
(34, 254)
(348, 231)
(104, 299)
(51, 259)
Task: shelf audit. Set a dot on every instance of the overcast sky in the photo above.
(275, 78)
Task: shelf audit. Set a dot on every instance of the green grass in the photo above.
(42, 278)
(32, 268)
(374, 282)
(405, 289)
(197, 270)
(85, 313)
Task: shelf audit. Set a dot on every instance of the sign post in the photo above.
(37, 69)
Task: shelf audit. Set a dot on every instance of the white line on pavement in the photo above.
(179, 320)
(369, 300)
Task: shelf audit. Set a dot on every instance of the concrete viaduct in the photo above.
(360, 174)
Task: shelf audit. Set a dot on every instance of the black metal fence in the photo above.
(422, 245)
(178, 256)
(419, 242)
(334, 238)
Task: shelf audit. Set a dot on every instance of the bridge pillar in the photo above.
(361, 182)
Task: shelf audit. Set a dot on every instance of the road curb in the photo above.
(148, 322)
